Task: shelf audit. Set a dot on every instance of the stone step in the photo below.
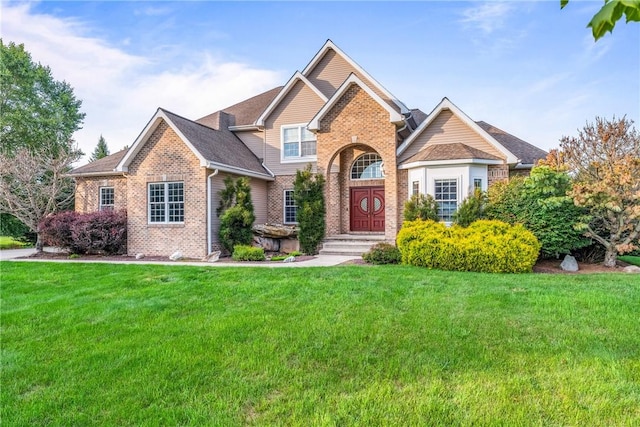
(353, 245)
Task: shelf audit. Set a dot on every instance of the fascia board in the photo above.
(449, 162)
(394, 116)
(285, 90)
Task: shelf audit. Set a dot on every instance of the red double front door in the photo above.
(367, 208)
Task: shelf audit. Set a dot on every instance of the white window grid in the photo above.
(367, 166)
(298, 142)
(290, 208)
(166, 202)
(446, 194)
(107, 198)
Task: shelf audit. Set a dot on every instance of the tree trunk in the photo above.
(39, 245)
(610, 256)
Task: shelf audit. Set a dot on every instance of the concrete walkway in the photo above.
(318, 261)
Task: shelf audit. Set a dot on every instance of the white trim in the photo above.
(330, 45)
(284, 206)
(155, 121)
(209, 211)
(283, 92)
(241, 128)
(238, 171)
(445, 104)
(83, 174)
(300, 158)
(166, 203)
(394, 116)
(460, 162)
(104, 187)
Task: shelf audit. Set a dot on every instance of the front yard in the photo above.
(97, 344)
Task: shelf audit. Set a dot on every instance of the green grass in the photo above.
(629, 259)
(7, 242)
(98, 344)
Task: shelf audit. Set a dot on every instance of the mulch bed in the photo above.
(544, 266)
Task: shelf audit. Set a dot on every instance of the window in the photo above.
(367, 166)
(446, 194)
(107, 198)
(290, 208)
(415, 190)
(298, 142)
(166, 202)
(477, 184)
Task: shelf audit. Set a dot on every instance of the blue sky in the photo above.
(527, 67)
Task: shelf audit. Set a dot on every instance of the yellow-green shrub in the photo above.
(484, 246)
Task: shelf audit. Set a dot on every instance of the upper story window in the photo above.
(107, 198)
(446, 194)
(166, 202)
(298, 143)
(367, 166)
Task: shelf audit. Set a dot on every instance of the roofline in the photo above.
(151, 126)
(446, 104)
(283, 92)
(238, 171)
(471, 161)
(243, 127)
(331, 45)
(394, 116)
(107, 173)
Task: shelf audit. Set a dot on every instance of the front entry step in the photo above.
(350, 244)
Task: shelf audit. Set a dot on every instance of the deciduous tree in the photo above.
(607, 17)
(605, 158)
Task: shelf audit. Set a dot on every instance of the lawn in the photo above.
(96, 344)
(630, 259)
(7, 242)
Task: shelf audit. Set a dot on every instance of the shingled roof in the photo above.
(246, 112)
(527, 153)
(219, 146)
(455, 151)
(106, 165)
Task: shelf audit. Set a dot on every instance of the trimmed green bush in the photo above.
(308, 193)
(471, 209)
(247, 253)
(421, 206)
(236, 213)
(484, 246)
(382, 253)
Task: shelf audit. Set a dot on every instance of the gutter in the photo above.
(90, 174)
(238, 171)
(209, 211)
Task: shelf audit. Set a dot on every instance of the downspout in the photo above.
(215, 172)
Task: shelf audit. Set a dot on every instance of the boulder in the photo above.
(569, 264)
(289, 245)
(213, 256)
(275, 231)
(139, 256)
(267, 243)
(176, 256)
(631, 269)
(289, 259)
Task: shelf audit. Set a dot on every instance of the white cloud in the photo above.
(488, 17)
(120, 91)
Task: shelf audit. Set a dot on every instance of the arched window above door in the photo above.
(367, 166)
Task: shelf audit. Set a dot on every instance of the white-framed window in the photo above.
(446, 194)
(107, 198)
(298, 143)
(477, 184)
(415, 188)
(367, 166)
(166, 202)
(290, 208)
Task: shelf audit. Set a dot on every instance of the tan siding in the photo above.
(332, 70)
(448, 129)
(259, 198)
(299, 106)
(254, 140)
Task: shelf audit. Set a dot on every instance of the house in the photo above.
(373, 150)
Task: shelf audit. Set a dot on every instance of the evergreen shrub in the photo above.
(248, 253)
(382, 253)
(308, 193)
(484, 246)
(421, 206)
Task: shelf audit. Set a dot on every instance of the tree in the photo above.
(308, 193)
(421, 206)
(36, 109)
(236, 213)
(607, 17)
(605, 158)
(100, 151)
(39, 117)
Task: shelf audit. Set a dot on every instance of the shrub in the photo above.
(248, 253)
(471, 209)
(382, 253)
(13, 227)
(421, 206)
(484, 246)
(103, 232)
(308, 193)
(236, 213)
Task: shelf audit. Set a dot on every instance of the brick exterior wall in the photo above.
(165, 158)
(275, 189)
(497, 173)
(87, 193)
(403, 193)
(356, 124)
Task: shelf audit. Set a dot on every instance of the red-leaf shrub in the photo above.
(103, 232)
